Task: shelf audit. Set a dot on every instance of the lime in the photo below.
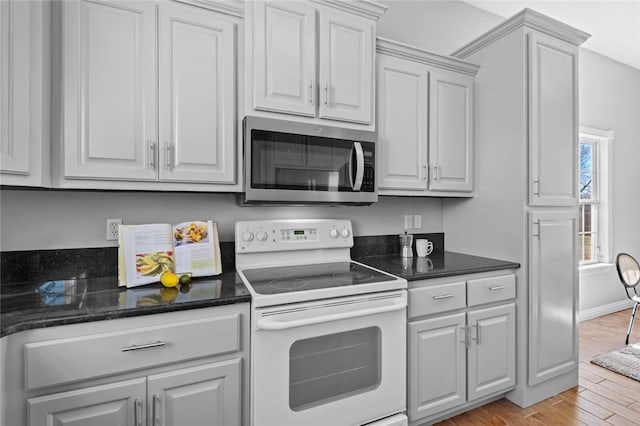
(185, 279)
(169, 279)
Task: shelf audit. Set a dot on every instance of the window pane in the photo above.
(586, 185)
(586, 157)
(585, 221)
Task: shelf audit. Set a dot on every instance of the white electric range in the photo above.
(328, 334)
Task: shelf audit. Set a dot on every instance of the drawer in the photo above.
(436, 298)
(90, 356)
(491, 289)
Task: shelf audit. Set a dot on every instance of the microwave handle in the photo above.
(356, 182)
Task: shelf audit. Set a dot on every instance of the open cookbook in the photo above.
(146, 251)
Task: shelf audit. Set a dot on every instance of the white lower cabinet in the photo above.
(171, 369)
(464, 353)
(202, 395)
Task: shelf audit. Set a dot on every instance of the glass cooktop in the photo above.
(288, 279)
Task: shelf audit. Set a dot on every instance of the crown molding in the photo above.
(366, 8)
(415, 54)
(228, 7)
(526, 18)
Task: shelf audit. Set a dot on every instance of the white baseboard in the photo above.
(599, 311)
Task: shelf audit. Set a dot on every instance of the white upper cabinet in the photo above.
(346, 67)
(197, 95)
(451, 131)
(24, 87)
(425, 122)
(109, 63)
(149, 96)
(285, 58)
(312, 59)
(553, 121)
(403, 101)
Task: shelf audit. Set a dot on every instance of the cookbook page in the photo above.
(145, 252)
(197, 249)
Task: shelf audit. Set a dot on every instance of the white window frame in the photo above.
(601, 140)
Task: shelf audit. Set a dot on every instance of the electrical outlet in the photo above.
(112, 229)
(417, 221)
(408, 221)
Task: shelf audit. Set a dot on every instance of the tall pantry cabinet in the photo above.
(525, 204)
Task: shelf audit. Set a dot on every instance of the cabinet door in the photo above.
(197, 95)
(346, 67)
(110, 106)
(204, 395)
(450, 131)
(492, 350)
(553, 122)
(437, 365)
(284, 63)
(14, 87)
(117, 404)
(553, 294)
(403, 93)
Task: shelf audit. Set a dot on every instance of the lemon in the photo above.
(185, 279)
(169, 279)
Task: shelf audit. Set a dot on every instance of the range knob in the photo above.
(334, 233)
(247, 236)
(261, 236)
(345, 233)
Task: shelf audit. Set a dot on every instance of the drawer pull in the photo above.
(146, 346)
(443, 296)
(137, 412)
(498, 287)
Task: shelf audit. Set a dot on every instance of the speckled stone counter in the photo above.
(57, 287)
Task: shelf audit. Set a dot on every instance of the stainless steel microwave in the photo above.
(301, 163)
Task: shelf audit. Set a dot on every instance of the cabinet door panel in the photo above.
(553, 295)
(197, 95)
(109, 89)
(451, 131)
(403, 93)
(553, 116)
(492, 352)
(113, 405)
(204, 395)
(284, 65)
(15, 138)
(437, 365)
(346, 67)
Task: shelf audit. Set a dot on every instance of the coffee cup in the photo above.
(424, 247)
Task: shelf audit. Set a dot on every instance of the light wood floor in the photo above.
(602, 397)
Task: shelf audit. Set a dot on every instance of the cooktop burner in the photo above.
(311, 277)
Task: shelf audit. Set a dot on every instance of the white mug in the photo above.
(424, 247)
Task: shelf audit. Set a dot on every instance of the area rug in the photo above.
(625, 361)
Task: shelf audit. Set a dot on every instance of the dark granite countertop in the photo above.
(438, 264)
(38, 304)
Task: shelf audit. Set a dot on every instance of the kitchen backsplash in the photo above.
(35, 265)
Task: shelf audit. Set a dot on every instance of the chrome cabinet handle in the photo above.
(443, 296)
(167, 155)
(151, 147)
(533, 232)
(145, 346)
(464, 336)
(137, 412)
(435, 172)
(311, 92)
(477, 338)
(326, 94)
(498, 287)
(426, 172)
(156, 410)
(536, 187)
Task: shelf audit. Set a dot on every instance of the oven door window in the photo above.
(331, 367)
(306, 163)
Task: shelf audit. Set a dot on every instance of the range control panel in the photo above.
(255, 236)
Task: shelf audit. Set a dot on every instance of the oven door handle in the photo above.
(273, 324)
(357, 177)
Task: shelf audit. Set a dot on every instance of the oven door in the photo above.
(336, 362)
(289, 162)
